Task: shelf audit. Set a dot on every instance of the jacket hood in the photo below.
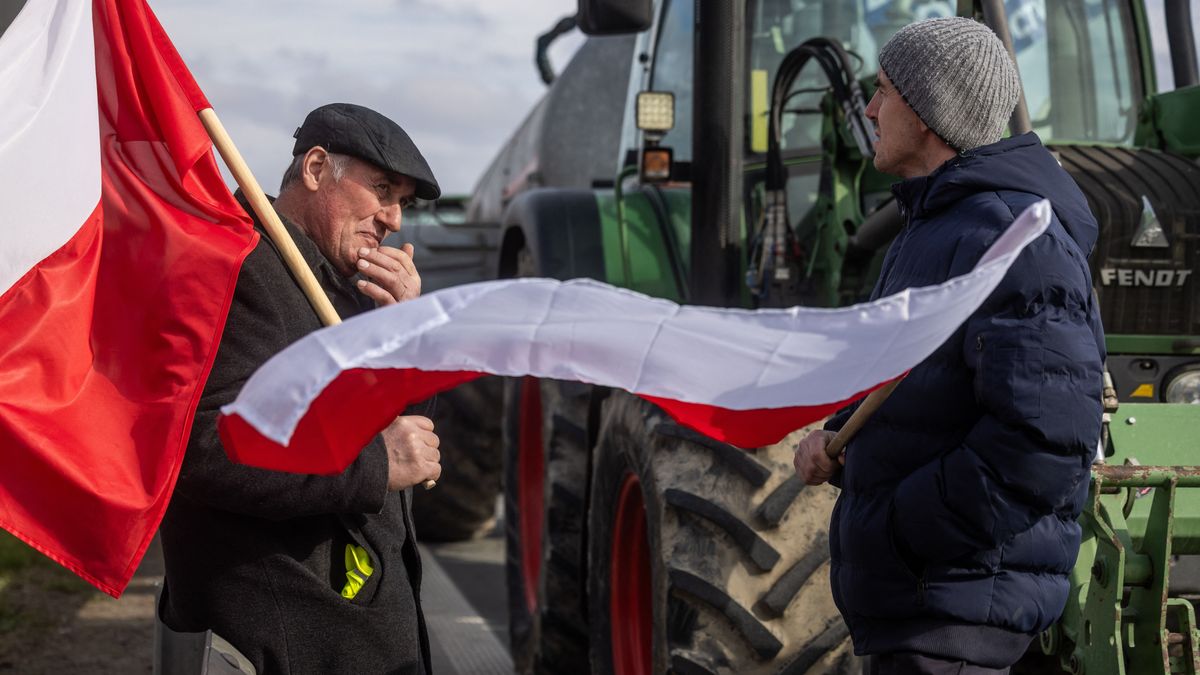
(1019, 164)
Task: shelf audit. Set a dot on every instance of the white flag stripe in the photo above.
(590, 332)
(49, 131)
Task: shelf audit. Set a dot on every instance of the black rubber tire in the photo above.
(552, 639)
(738, 551)
(467, 420)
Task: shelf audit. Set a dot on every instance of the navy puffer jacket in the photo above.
(956, 526)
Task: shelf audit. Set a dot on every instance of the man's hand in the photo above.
(813, 466)
(413, 455)
(391, 276)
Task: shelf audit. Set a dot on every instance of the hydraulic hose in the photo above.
(775, 247)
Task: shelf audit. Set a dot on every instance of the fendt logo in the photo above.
(1113, 276)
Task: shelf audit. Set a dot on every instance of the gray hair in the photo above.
(337, 167)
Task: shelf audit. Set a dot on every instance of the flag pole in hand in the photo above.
(859, 417)
(300, 270)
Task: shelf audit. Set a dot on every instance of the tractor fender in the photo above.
(560, 232)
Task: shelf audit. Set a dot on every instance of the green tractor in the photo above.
(716, 153)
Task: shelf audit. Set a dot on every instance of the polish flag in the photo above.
(119, 250)
(744, 377)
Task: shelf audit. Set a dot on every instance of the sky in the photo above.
(458, 75)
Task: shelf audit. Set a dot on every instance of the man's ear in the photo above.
(314, 168)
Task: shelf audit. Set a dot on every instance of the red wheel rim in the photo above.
(632, 618)
(530, 475)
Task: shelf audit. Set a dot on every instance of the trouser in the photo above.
(909, 663)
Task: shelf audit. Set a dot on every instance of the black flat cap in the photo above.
(349, 129)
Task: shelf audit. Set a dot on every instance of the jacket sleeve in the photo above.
(254, 331)
(1035, 350)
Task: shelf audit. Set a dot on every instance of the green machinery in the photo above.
(635, 546)
(1131, 608)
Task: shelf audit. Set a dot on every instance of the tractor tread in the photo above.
(566, 624)
(762, 554)
(829, 639)
(464, 505)
(682, 665)
(712, 560)
(776, 600)
(761, 640)
(770, 512)
(736, 458)
(567, 496)
(567, 426)
(553, 637)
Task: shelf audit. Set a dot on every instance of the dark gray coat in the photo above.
(258, 556)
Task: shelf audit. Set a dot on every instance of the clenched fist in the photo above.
(413, 455)
(813, 466)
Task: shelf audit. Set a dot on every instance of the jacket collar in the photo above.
(931, 193)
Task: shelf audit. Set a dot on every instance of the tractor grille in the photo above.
(1143, 290)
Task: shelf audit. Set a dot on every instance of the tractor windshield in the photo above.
(1078, 62)
(1077, 58)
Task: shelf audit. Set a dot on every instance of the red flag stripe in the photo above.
(345, 415)
(750, 428)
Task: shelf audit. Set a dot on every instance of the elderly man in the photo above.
(956, 526)
(301, 573)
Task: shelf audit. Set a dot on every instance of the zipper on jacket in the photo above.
(921, 584)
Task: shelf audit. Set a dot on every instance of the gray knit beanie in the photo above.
(957, 76)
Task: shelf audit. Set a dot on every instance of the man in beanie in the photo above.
(305, 573)
(956, 527)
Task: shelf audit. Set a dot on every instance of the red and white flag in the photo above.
(119, 251)
(745, 377)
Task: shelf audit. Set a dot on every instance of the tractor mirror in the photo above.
(614, 17)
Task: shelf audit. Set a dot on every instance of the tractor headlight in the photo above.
(1185, 387)
(656, 111)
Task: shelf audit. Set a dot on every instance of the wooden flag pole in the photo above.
(270, 220)
(860, 416)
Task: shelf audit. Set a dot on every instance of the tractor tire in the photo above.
(706, 558)
(545, 451)
(463, 505)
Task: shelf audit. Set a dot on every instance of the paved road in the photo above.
(464, 595)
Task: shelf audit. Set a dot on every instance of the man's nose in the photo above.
(389, 216)
(872, 111)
